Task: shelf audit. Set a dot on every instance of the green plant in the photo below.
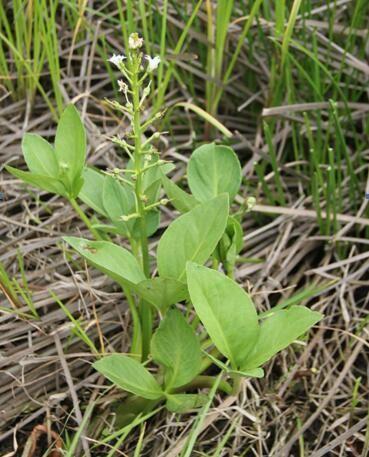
(28, 47)
(184, 293)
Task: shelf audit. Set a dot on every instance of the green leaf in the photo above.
(193, 236)
(113, 260)
(41, 182)
(162, 292)
(106, 228)
(152, 180)
(70, 149)
(181, 200)
(231, 243)
(226, 311)
(176, 347)
(279, 331)
(213, 170)
(130, 375)
(39, 156)
(92, 190)
(183, 403)
(152, 224)
(254, 373)
(118, 200)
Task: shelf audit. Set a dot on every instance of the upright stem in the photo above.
(145, 311)
(236, 384)
(138, 158)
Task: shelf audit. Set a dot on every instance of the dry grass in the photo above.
(313, 400)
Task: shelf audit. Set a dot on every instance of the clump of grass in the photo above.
(28, 44)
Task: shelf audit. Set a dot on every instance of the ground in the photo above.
(313, 400)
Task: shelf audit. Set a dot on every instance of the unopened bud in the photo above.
(134, 41)
(64, 167)
(122, 86)
(250, 203)
(146, 91)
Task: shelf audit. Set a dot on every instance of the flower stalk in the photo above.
(135, 92)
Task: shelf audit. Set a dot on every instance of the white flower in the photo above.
(134, 41)
(153, 63)
(117, 59)
(122, 86)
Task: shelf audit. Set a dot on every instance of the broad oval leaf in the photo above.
(70, 148)
(41, 182)
(162, 292)
(192, 237)
(130, 375)
(176, 347)
(92, 190)
(279, 331)
(39, 156)
(181, 200)
(213, 170)
(152, 224)
(118, 200)
(226, 311)
(113, 260)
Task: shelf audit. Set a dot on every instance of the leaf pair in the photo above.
(176, 348)
(230, 319)
(191, 237)
(56, 169)
(212, 171)
(122, 266)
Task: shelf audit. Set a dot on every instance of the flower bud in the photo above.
(250, 203)
(122, 86)
(134, 41)
(146, 91)
(64, 167)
